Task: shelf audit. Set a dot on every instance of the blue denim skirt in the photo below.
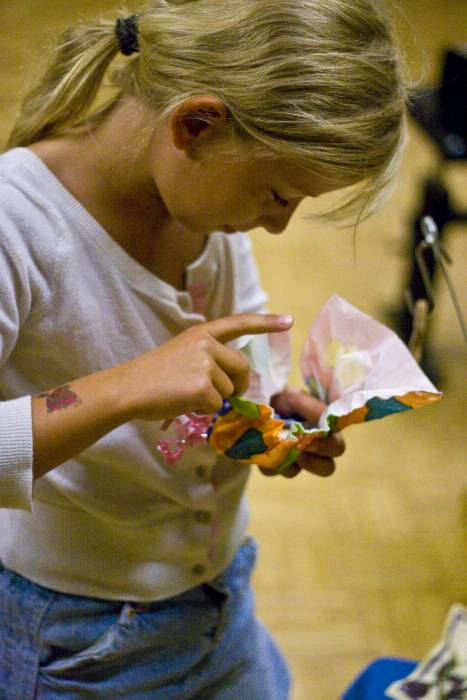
(205, 644)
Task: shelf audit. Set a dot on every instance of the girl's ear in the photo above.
(195, 119)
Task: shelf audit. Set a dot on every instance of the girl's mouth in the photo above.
(244, 227)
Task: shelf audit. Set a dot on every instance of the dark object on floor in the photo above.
(442, 114)
(377, 677)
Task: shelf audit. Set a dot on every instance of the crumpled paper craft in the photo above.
(351, 362)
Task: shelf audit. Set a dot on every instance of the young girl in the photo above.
(123, 279)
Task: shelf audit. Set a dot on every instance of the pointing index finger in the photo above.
(231, 327)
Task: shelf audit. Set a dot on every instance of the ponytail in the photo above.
(70, 84)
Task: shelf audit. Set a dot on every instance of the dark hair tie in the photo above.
(127, 34)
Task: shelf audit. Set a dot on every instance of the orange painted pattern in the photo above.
(417, 399)
(358, 415)
(229, 428)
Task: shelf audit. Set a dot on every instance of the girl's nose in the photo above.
(278, 223)
(275, 228)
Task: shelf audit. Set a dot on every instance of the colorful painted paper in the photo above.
(352, 363)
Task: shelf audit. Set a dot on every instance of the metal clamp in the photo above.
(420, 308)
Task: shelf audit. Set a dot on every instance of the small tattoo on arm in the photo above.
(62, 397)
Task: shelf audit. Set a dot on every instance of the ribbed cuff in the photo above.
(16, 454)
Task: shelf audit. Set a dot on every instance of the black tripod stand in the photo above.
(442, 114)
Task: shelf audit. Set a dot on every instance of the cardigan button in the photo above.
(203, 517)
(199, 569)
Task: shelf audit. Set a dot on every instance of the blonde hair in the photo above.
(319, 82)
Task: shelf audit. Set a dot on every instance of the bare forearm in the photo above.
(68, 419)
(193, 371)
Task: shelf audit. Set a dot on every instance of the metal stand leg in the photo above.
(429, 254)
(437, 205)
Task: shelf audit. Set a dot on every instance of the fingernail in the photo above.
(285, 321)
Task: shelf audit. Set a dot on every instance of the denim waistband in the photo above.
(55, 645)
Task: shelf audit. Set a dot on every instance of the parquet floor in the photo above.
(365, 563)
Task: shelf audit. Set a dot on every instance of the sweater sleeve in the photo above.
(16, 454)
(16, 440)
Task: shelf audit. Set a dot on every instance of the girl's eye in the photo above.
(281, 202)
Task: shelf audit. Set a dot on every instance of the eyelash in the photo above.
(278, 200)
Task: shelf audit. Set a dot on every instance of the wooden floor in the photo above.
(365, 563)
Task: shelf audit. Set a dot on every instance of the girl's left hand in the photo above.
(318, 458)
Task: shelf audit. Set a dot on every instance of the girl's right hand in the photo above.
(194, 371)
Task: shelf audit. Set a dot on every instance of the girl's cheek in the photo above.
(257, 208)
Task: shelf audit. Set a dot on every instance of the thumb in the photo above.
(293, 401)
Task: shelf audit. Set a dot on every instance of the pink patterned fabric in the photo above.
(191, 431)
